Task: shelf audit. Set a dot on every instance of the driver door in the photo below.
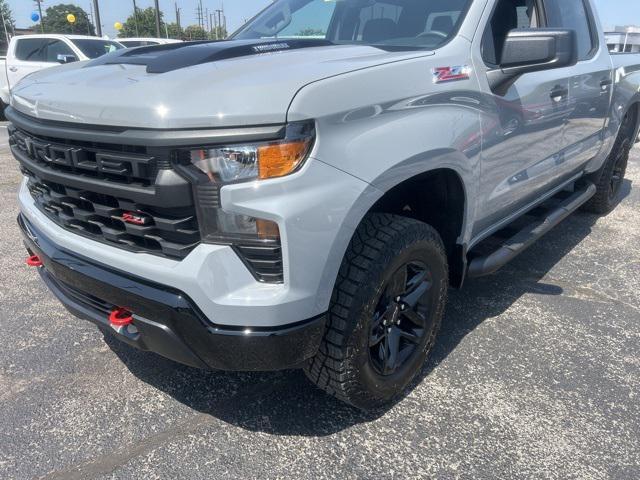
(523, 127)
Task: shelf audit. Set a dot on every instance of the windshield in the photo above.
(96, 48)
(394, 23)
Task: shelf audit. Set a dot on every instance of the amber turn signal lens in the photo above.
(267, 230)
(281, 159)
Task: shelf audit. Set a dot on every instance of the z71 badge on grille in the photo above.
(451, 74)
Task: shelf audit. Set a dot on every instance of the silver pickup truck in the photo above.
(305, 193)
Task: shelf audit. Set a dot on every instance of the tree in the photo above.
(195, 32)
(218, 33)
(9, 23)
(145, 21)
(311, 32)
(55, 20)
(174, 31)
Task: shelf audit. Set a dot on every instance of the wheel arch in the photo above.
(438, 197)
(448, 165)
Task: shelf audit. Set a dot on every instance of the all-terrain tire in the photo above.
(609, 179)
(343, 366)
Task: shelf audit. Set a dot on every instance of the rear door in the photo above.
(26, 56)
(590, 84)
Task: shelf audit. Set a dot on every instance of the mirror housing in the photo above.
(528, 50)
(62, 58)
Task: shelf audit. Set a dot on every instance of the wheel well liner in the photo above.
(438, 198)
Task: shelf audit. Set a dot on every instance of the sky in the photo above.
(612, 12)
(112, 11)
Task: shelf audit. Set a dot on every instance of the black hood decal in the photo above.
(174, 56)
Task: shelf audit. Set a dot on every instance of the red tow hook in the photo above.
(34, 261)
(120, 317)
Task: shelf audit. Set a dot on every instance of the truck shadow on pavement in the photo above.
(285, 403)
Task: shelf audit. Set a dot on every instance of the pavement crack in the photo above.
(109, 462)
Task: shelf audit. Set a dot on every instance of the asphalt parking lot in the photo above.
(536, 375)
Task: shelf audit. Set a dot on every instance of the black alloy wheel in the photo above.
(399, 324)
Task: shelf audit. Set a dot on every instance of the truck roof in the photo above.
(61, 36)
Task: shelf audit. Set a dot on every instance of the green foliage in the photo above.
(55, 20)
(9, 22)
(174, 31)
(195, 32)
(146, 24)
(311, 32)
(221, 33)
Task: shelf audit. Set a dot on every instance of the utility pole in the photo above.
(157, 19)
(178, 18)
(219, 12)
(212, 21)
(198, 14)
(135, 17)
(96, 9)
(224, 18)
(39, 2)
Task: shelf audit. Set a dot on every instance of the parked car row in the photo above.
(29, 53)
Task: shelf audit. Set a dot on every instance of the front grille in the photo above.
(169, 232)
(124, 196)
(115, 163)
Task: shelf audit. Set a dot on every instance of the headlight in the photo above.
(237, 163)
(210, 167)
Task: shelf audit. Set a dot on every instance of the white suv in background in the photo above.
(30, 53)
(145, 42)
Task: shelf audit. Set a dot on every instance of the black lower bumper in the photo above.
(166, 321)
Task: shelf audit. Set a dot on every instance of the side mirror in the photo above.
(62, 58)
(533, 50)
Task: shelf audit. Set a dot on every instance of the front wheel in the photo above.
(386, 310)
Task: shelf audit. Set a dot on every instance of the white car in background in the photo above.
(30, 53)
(145, 42)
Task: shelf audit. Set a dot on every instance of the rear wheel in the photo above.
(610, 179)
(385, 311)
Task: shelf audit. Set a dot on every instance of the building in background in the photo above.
(625, 39)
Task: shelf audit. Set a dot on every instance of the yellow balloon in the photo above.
(71, 18)
(117, 26)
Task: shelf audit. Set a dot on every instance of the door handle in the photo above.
(559, 93)
(13, 69)
(606, 83)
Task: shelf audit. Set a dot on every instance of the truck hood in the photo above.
(191, 85)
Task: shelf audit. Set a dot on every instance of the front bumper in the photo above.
(166, 321)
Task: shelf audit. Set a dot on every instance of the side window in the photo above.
(54, 48)
(508, 15)
(30, 49)
(573, 14)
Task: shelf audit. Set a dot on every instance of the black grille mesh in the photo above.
(102, 218)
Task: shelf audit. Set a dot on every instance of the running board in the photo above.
(510, 249)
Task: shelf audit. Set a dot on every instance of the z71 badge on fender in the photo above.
(450, 74)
